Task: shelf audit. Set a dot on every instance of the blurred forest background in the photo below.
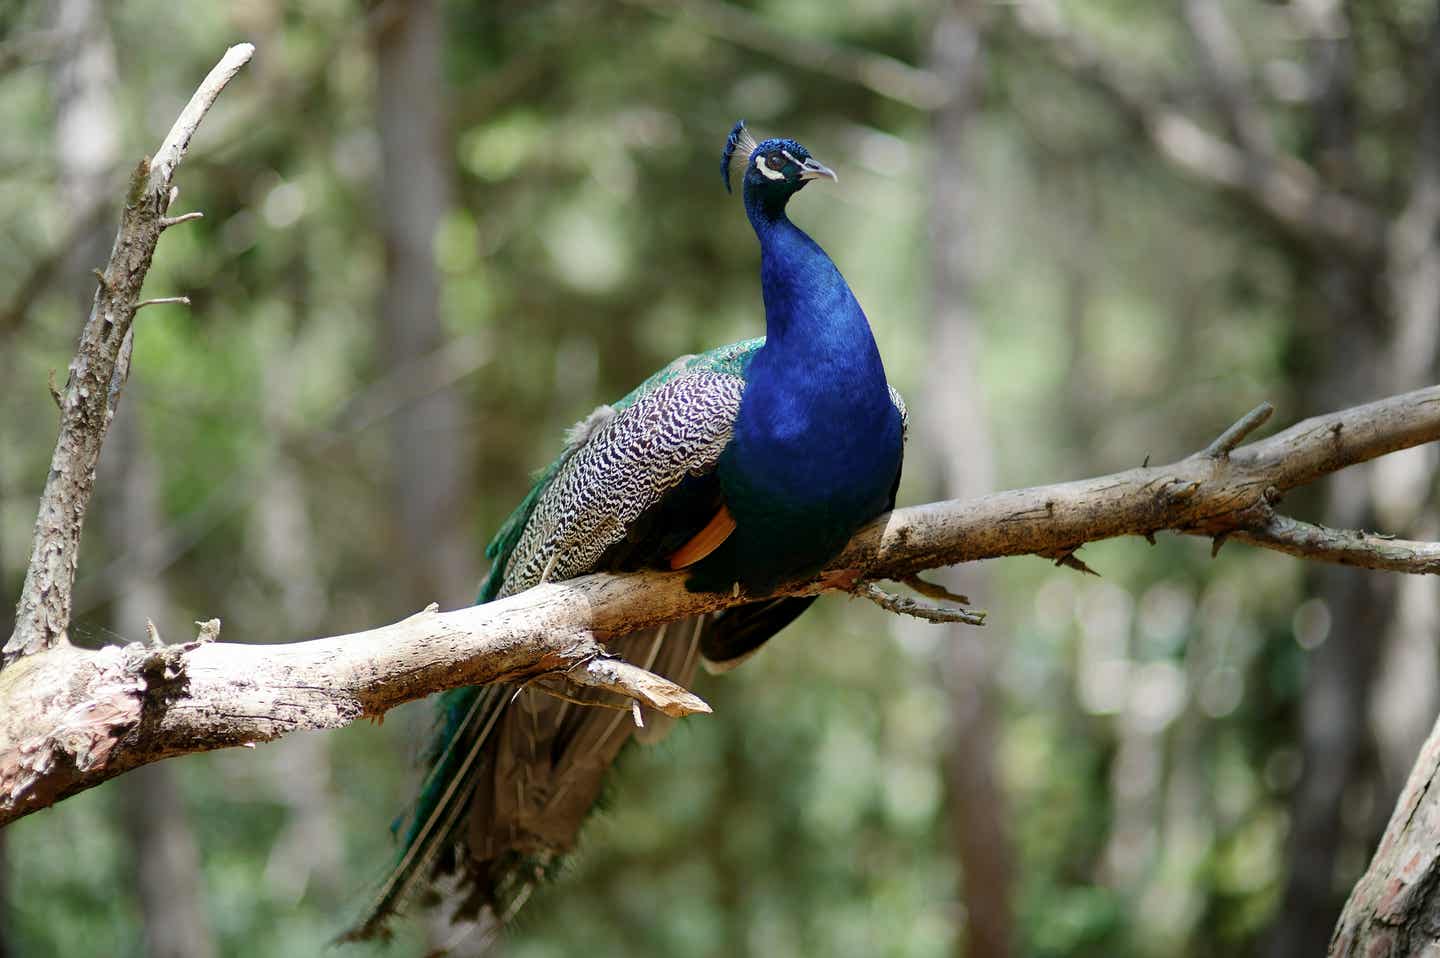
(436, 233)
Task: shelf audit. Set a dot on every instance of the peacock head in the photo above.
(771, 171)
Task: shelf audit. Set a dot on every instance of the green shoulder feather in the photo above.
(733, 359)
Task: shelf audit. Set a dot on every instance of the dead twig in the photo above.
(1226, 442)
(168, 221)
(159, 300)
(902, 605)
(622, 678)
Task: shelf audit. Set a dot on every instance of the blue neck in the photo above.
(817, 442)
(817, 336)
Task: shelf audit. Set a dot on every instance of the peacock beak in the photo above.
(813, 169)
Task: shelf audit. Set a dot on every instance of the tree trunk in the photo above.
(430, 451)
(956, 431)
(7, 949)
(1408, 692)
(1392, 909)
(7, 624)
(1337, 750)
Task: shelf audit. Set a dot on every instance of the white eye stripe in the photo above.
(768, 173)
(791, 157)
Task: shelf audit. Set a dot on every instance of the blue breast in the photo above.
(817, 445)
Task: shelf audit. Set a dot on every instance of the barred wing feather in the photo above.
(628, 463)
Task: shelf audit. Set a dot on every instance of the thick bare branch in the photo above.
(74, 718)
(1199, 495)
(97, 375)
(70, 719)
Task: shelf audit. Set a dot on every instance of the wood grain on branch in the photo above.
(97, 376)
(70, 719)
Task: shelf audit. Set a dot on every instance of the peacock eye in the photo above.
(775, 160)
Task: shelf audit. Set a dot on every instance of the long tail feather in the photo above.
(444, 797)
(739, 633)
(521, 769)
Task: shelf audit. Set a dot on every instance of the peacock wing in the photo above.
(730, 360)
(630, 459)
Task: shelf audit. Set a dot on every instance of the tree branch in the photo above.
(1199, 495)
(70, 719)
(97, 375)
(1227, 73)
(1289, 192)
(883, 75)
(1344, 546)
(904, 605)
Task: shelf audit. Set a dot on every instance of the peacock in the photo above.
(749, 465)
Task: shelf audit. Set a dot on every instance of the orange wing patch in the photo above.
(706, 541)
